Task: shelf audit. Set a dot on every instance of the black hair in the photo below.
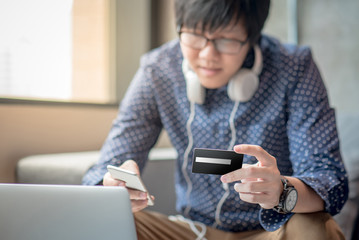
(215, 14)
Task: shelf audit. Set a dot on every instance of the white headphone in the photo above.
(241, 87)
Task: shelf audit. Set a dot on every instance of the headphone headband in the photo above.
(258, 60)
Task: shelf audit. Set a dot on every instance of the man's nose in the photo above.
(209, 51)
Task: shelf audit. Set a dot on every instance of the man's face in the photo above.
(213, 68)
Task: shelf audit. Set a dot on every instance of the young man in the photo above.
(223, 85)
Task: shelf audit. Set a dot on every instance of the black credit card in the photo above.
(212, 161)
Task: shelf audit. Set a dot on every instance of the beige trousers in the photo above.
(309, 226)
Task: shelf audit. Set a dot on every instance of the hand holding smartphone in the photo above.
(131, 179)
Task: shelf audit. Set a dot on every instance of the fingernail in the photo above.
(224, 178)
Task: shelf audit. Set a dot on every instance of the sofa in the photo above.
(68, 168)
(348, 129)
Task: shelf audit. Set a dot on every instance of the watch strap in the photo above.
(280, 208)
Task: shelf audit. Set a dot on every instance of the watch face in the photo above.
(291, 200)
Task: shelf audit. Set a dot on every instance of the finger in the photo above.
(264, 200)
(251, 180)
(245, 165)
(131, 166)
(268, 187)
(252, 187)
(108, 180)
(138, 205)
(258, 193)
(255, 198)
(264, 158)
(137, 195)
(249, 172)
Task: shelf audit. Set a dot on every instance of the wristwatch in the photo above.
(288, 198)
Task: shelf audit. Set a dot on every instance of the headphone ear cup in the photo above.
(243, 85)
(195, 91)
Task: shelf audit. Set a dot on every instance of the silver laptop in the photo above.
(54, 212)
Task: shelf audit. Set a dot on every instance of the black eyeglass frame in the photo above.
(242, 43)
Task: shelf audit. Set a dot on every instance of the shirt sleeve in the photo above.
(134, 131)
(313, 141)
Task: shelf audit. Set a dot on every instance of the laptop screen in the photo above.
(54, 212)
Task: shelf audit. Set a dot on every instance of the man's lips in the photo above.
(208, 71)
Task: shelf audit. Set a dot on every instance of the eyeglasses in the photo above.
(223, 45)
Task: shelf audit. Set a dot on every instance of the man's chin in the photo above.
(213, 84)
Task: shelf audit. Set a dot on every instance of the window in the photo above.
(35, 48)
(70, 50)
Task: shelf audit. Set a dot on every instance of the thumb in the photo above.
(132, 166)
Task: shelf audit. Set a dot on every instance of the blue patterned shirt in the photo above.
(289, 116)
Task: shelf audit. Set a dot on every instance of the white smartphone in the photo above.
(131, 179)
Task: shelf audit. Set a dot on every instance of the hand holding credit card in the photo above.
(212, 161)
(131, 179)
